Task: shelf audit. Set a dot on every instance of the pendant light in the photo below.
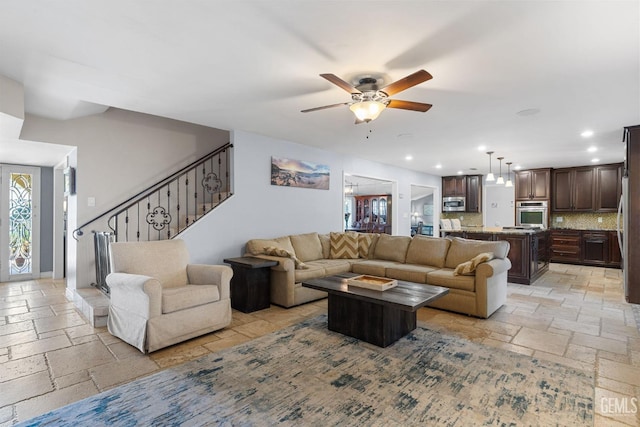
(500, 178)
(509, 183)
(490, 176)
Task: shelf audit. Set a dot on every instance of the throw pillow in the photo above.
(275, 251)
(344, 245)
(468, 268)
(364, 244)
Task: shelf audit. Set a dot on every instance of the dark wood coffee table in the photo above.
(377, 317)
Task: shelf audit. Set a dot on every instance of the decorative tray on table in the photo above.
(372, 282)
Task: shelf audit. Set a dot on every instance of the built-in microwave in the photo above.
(453, 204)
(532, 214)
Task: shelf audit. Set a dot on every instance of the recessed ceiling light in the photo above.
(460, 172)
(587, 133)
(595, 160)
(592, 149)
(482, 147)
(517, 167)
(408, 157)
(438, 166)
(528, 112)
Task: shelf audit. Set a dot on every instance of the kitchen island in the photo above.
(528, 252)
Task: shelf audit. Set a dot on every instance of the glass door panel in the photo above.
(20, 224)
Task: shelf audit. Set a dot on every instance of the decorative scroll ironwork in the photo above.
(211, 183)
(158, 218)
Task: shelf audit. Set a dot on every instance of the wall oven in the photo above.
(532, 214)
(453, 204)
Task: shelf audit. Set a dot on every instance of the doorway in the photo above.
(20, 223)
(422, 210)
(368, 204)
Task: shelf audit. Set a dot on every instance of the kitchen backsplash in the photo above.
(579, 221)
(585, 221)
(466, 219)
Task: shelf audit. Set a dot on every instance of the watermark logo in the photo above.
(619, 405)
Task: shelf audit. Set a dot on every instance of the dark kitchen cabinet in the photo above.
(474, 193)
(566, 245)
(454, 186)
(608, 188)
(573, 189)
(467, 186)
(595, 247)
(615, 257)
(533, 184)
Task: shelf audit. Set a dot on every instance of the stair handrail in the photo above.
(152, 188)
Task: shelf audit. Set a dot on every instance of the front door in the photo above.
(19, 223)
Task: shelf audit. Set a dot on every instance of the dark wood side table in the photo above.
(251, 283)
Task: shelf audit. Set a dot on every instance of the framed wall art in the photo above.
(298, 173)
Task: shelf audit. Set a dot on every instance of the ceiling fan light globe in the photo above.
(490, 177)
(367, 110)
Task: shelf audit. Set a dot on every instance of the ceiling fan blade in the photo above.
(408, 105)
(409, 81)
(340, 83)
(323, 107)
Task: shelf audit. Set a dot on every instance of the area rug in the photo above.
(307, 375)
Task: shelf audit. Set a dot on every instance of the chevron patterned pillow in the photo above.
(344, 245)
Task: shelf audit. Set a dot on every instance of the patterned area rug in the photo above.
(307, 375)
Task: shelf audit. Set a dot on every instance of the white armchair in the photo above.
(159, 299)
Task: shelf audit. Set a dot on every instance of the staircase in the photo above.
(159, 212)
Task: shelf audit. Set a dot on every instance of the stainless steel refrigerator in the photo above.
(629, 215)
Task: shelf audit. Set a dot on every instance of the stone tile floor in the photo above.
(574, 315)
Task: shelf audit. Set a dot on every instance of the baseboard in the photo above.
(46, 274)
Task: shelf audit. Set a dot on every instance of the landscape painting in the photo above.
(298, 173)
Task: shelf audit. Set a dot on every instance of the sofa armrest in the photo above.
(207, 274)
(136, 293)
(493, 267)
(284, 263)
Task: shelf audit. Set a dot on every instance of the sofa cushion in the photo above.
(409, 272)
(307, 246)
(392, 248)
(325, 241)
(373, 267)
(313, 271)
(332, 266)
(181, 297)
(462, 250)
(445, 277)
(344, 245)
(427, 250)
(469, 267)
(256, 246)
(275, 251)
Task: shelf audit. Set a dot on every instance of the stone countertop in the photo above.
(583, 229)
(495, 230)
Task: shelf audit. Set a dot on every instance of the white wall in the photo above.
(261, 210)
(499, 206)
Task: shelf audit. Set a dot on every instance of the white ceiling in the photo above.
(253, 65)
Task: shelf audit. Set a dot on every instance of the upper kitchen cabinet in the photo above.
(608, 187)
(573, 189)
(587, 188)
(467, 186)
(534, 184)
(474, 193)
(454, 186)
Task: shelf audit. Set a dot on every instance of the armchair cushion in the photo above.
(179, 298)
(136, 258)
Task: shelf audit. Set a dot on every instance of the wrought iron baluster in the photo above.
(126, 226)
(138, 223)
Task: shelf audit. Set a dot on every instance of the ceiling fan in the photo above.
(368, 100)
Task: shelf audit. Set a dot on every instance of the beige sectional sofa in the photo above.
(474, 271)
